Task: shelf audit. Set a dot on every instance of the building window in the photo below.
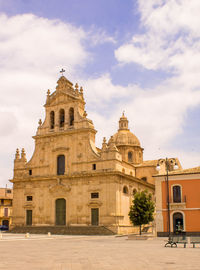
(94, 166)
(61, 118)
(61, 165)
(71, 116)
(30, 172)
(176, 194)
(94, 195)
(52, 119)
(29, 198)
(5, 212)
(8, 191)
(2, 201)
(144, 179)
(130, 157)
(125, 190)
(134, 191)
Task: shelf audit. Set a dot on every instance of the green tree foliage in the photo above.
(142, 208)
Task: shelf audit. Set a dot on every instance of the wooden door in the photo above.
(29, 217)
(60, 212)
(95, 216)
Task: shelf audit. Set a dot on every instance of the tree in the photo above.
(142, 208)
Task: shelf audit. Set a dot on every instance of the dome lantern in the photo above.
(123, 122)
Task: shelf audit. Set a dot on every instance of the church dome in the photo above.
(124, 136)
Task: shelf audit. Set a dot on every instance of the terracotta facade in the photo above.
(184, 186)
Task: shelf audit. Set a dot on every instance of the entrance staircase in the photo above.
(70, 230)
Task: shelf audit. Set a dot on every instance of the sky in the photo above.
(137, 56)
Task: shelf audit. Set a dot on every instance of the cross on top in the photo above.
(62, 71)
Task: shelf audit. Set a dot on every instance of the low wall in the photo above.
(165, 234)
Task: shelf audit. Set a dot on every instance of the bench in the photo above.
(174, 240)
(195, 240)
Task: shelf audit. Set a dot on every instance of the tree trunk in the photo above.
(140, 229)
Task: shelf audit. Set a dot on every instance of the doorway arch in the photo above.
(6, 223)
(178, 224)
(60, 211)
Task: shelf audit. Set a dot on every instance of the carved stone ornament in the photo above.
(63, 84)
(94, 203)
(59, 188)
(60, 149)
(177, 206)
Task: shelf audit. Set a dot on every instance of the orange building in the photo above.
(184, 202)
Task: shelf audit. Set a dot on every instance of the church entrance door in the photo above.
(60, 212)
(95, 216)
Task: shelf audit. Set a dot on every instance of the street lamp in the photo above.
(169, 163)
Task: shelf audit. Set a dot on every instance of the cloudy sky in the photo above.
(134, 55)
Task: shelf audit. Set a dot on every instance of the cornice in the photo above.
(85, 176)
(65, 132)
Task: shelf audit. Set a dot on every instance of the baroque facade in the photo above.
(71, 182)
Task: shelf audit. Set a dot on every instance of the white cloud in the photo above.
(170, 42)
(30, 42)
(32, 51)
(171, 36)
(156, 116)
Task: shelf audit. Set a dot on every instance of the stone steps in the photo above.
(70, 230)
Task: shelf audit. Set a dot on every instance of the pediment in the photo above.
(61, 97)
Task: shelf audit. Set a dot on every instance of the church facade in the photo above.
(69, 181)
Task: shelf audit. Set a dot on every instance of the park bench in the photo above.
(195, 240)
(178, 239)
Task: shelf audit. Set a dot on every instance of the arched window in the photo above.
(134, 191)
(71, 116)
(61, 165)
(130, 157)
(62, 117)
(52, 119)
(178, 224)
(176, 194)
(125, 190)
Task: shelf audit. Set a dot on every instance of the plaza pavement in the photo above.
(42, 252)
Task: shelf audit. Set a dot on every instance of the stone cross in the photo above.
(62, 71)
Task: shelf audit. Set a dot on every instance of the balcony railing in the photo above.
(176, 200)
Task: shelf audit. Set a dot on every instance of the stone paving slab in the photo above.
(40, 252)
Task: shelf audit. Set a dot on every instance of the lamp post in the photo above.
(171, 162)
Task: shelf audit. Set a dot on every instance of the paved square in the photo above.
(40, 252)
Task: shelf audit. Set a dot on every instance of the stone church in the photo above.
(71, 182)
